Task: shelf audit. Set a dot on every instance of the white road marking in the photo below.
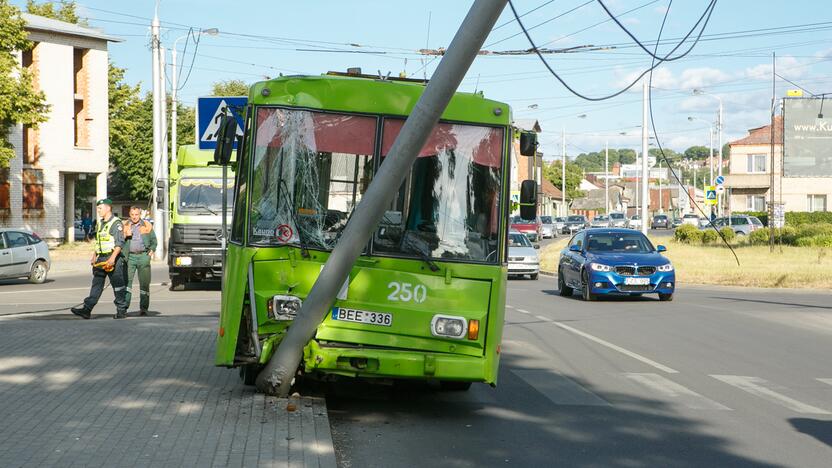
(523, 311)
(561, 390)
(614, 347)
(508, 306)
(757, 387)
(41, 291)
(670, 389)
(545, 319)
(826, 381)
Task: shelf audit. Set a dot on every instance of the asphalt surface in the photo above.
(718, 377)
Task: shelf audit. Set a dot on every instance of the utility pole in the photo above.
(771, 164)
(607, 175)
(719, 127)
(173, 106)
(158, 214)
(164, 164)
(563, 170)
(645, 177)
(278, 374)
(660, 185)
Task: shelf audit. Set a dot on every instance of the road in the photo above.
(718, 377)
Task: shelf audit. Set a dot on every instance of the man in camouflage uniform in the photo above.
(140, 242)
(107, 261)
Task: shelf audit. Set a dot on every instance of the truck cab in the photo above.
(196, 216)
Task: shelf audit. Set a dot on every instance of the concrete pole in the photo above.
(158, 215)
(173, 106)
(277, 376)
(711, 154)
(607, 176)
(645, 177)
(69, 207)
(164, 164)
(563, 171)
(721, 197)
(660, 186)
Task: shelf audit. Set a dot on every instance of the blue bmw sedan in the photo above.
(614, 261)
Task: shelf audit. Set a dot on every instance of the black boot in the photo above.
(81, 312)
(120, 314)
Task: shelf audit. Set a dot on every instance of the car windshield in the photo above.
(518, 240)
(691, 216)
(634, 242)
(576, 219)
(600, 218)
(519, 220)
(559, 220)
(203, 195)
(755, 221)
(546, 219)
(616, 216)
(660, 217)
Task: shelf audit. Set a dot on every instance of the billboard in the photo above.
(807, 137)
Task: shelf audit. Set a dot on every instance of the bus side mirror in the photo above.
(528, 143)
(226, 136)
(528, 199)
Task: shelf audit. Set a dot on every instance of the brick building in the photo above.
(70, 150)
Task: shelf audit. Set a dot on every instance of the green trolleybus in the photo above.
(426, 298)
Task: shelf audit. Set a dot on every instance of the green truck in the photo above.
(195, 249)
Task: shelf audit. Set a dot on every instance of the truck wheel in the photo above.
(177, 284)
(249, 373)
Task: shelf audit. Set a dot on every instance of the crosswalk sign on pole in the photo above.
(209, 112)
(710, 195)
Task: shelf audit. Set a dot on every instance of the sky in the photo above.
(732, 62)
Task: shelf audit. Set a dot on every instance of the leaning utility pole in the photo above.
(158, 214)
(278, 374)
(645, 176)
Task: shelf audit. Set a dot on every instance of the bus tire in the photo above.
(249, 373)
(454, 385)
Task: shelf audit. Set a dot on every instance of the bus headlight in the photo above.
(284, 307)
(447, 326)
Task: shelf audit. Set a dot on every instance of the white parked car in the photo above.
(634, 222)
(618, 220)
(547, 227)
(691, 218)
(23, 255)
(600, 221)
(522, 256)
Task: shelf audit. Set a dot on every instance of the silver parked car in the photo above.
(559, 222)
(600, 221)
(522, 257)
(23, 255)
(547, 227)
(742, 225)
(618, 220)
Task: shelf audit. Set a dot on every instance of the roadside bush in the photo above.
(709, 236)
(683, 232)
(694, 237)
(758, 237)
(799, 218)
(787, 235)
(822, 240)
(728, 234)
(812, 230)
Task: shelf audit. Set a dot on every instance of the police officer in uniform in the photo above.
(107, 261)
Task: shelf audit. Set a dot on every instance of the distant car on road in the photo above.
(600, 221)
(691, 218)
(23, 255)
(676, 222)
(547, 227)
(742, 225)
(634, 222)
(530, 227)
(558, 223)
(522, 256)
(574, 223)
(614, 261)
(618, 220)
(660, 221)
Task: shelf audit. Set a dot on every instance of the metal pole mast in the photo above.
(645, 178)
(278, 374)
(771, 163)
(563, 171)
(173, 109)
(607, 176)
(722, 194)
(164, 164)
(158, 215)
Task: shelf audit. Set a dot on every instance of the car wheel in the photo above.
(563, 289)
(533, 277)
(587, 294)
(666, 297)
(38, 273)
(740, 233)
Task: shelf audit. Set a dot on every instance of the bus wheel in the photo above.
(454, 385)
(249, 372)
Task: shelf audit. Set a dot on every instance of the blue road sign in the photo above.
(209, 110)
(720, 180)
(710, 195)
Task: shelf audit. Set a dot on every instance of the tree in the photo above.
(230, 88)
(626, 156)
(697, 153)
(64, 12)
(20, 103)
(574, 175)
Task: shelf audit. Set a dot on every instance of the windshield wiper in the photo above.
(205, 208)
(422, 255)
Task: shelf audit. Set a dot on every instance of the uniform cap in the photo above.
(104, 201)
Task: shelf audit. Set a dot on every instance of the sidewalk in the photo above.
(141, 392)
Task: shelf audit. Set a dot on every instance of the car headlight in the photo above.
(600, 267)
(284, 307)
(666, 267)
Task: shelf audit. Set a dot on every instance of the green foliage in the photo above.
(709, 236)
(19, 102)
(758, 237)
(552, 171)
(812, 230)
(66, 11)
(728, 234)
(230, 88)
(684, 232)
(799, 218)
(594, 161)
(698, 153)
(820, 240)
(671, 155)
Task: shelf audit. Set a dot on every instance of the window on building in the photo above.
(5, 199)
(756, 163)
(80, 91)
(32, 189)
(756, 202)
(816, 202)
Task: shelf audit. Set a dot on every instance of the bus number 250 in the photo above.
(406, 292)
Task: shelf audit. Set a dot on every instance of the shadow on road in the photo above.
(605, 298)
(817, 428)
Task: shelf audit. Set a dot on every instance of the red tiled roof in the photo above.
(550, 189)
(762, 135)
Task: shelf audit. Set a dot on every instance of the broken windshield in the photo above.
(448, 206)
(310, 170)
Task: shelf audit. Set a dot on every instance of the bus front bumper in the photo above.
(397, 364)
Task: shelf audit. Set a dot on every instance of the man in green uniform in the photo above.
(139, 244)
(107, 261)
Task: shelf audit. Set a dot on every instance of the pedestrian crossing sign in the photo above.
(209, 113)
(710, 195)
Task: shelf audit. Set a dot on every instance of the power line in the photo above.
(599, 23)
(524, 14)
(517, 18)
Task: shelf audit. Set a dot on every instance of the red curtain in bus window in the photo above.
(487, 152)
(331, 133)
